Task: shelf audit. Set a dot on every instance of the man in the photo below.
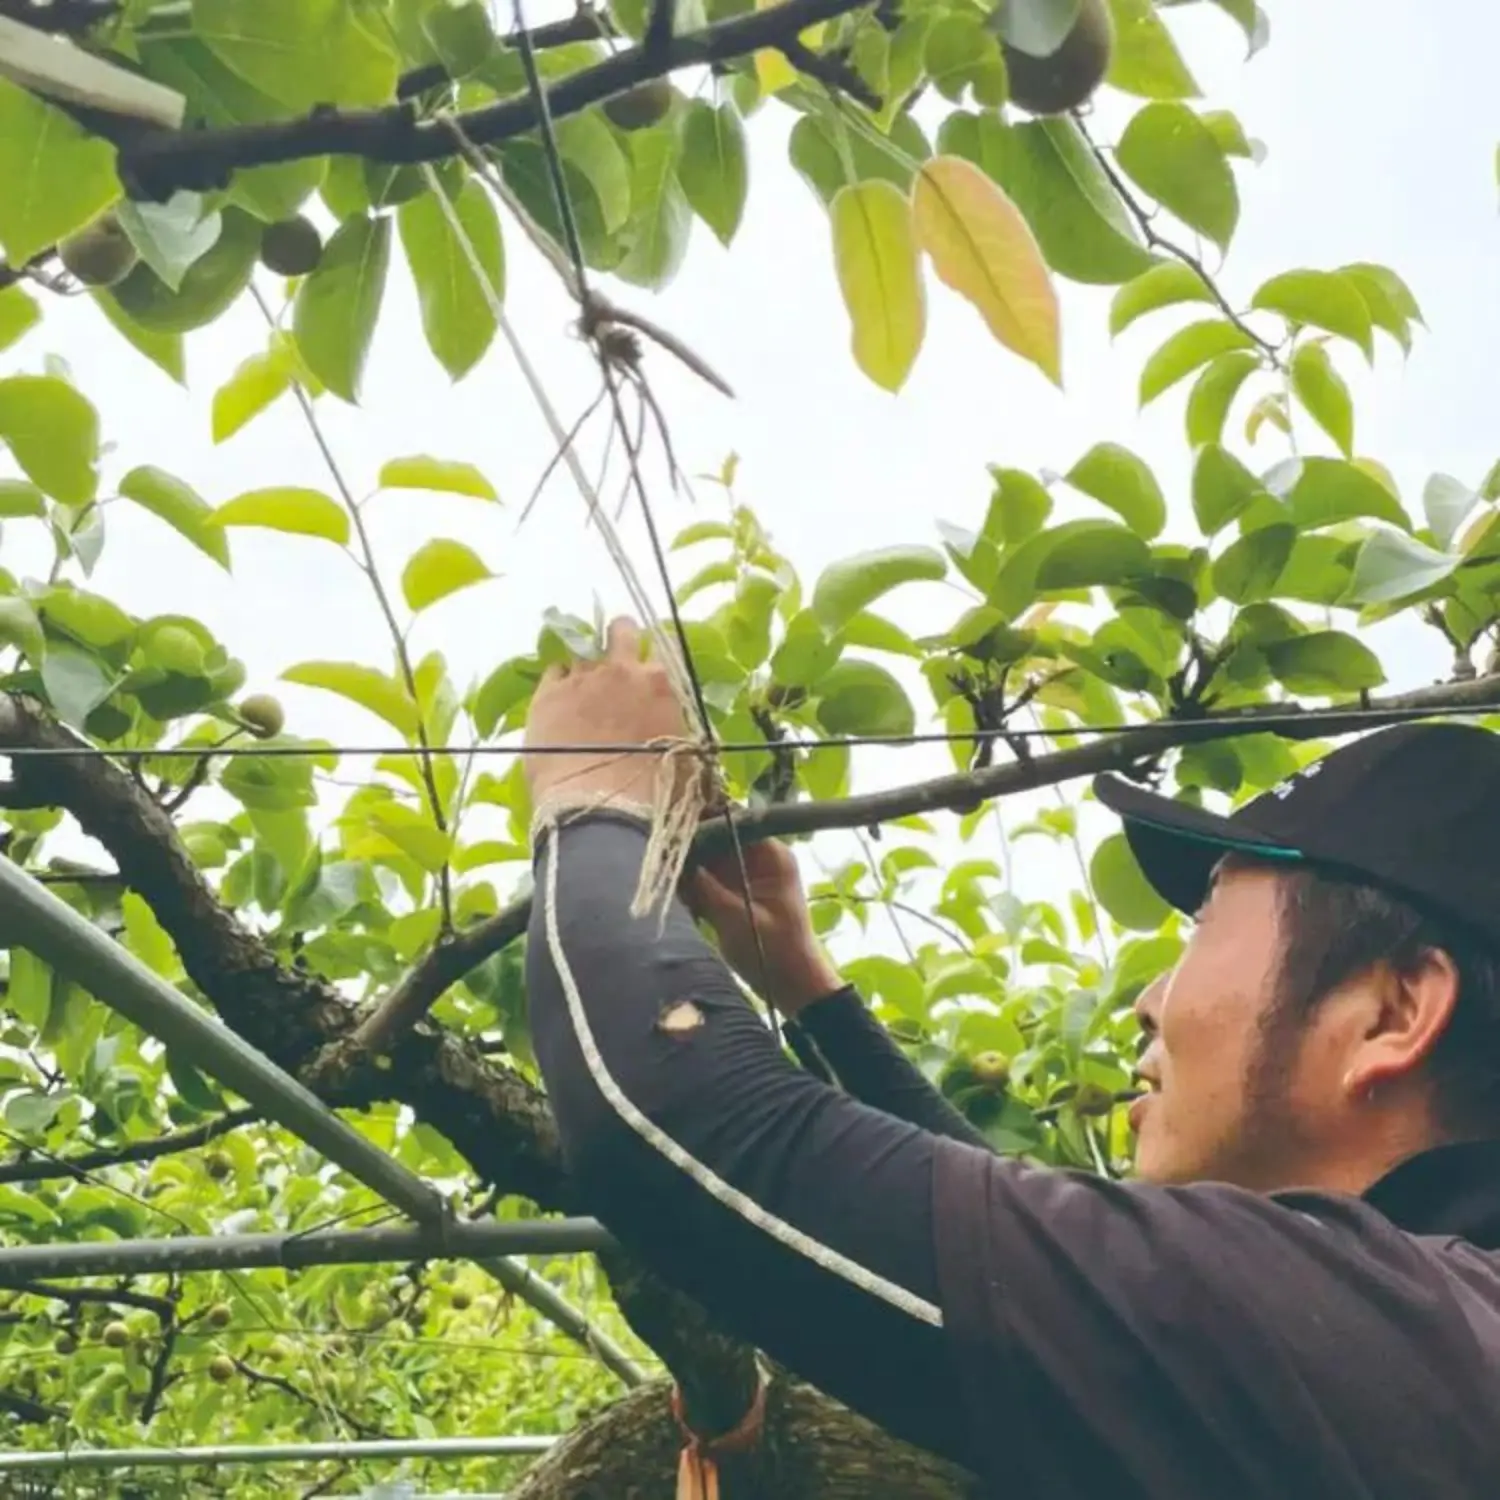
(1301, 1294)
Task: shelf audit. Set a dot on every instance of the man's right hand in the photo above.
(796, 971)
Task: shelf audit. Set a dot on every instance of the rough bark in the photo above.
(813, 1449)
(491, 1115)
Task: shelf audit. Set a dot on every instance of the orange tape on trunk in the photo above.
(698, 1467)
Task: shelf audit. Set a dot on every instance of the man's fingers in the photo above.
(624, 642)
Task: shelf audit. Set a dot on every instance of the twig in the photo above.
(831, 68)
(370, 567)
(160, 1365)
(287, 1387)
(586, 26)
(162, 1145)
(1159, 241)
(157, 163)
(78, 1296)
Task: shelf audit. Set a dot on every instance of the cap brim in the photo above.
(1177, 845)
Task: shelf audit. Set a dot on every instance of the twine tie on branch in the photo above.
(697, 1465)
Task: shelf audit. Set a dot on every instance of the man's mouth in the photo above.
(1150, 1087)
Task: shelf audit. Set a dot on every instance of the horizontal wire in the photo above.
(1253, 723)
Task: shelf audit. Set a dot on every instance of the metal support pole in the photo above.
(455, 1240)
(274, 1453)
(32, 917)
(539, 1293)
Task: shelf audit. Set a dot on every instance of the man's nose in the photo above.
(1147, 1005)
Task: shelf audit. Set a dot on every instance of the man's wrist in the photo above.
(805, 981)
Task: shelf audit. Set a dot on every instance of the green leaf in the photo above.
(590, 147)
(1036, 27)
(1323, 663)
(714, 170)
(20, 627)
(1223, 488)
(255, 384)
(1145, 60)
(816, 155)
(18, 314)
(171, 236)
(880, 276)
(19, 497)
(76, 683)
(846, 587)
(300, 52)
(53, 434)
(57, 175)
(1319, 299)
(527, 175)
(90, 618)
(174, 502)
(806, 652)
(1083, 554)
(457, 316)
(1213, 395)
(1326, 491)
(1253, 22)
(1321, 390)
(1392, 566)
(220, 98)
(164, 350)
(336, 308)
(1171, 154)
(1116, 477)
(371, 689)
(860, 698)
(438, 568)
(1167, 284)
(1187, 350)
(211, 285)
(423, 473)
(1249, 568)
(1230, 134)
(1122, 889)
(1391, 304)
(288, 508)
(1318, 571)
(661, 222)
(1447, 504)
(1052, 175)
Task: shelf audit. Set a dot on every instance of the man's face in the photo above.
(1216, 1111)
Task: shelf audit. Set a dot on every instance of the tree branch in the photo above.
(1160, 242)
(78, 1296)
(962, 791)
(156, 163)
(586, 26)
(91, 1161)
(492, 1116)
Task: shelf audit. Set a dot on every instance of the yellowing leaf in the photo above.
(772, 71)
(880, 274)
(255, 384)
(420, 472)
(301, 512)
(984, 249)
(439, 568)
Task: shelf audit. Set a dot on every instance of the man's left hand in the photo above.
(620, 699)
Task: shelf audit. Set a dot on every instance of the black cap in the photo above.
(1414, 810)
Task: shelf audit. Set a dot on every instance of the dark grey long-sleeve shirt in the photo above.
(1053, 1331)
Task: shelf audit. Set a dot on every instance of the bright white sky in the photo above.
(1380, 149)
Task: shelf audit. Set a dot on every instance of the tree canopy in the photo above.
(360, 918)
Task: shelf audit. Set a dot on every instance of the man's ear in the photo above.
(1415, 1008)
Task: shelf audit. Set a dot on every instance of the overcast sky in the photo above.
(1381, 147)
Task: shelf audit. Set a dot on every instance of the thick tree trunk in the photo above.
(812, 1449)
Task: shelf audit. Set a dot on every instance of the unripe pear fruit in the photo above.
(1092, 1099)
(221, 1369)
(641, 107)
(291, 247)
(1068, 78)
(461, 1301)
(992, 1069)
(219, 1315)
(99, 254)
(263, 715)
(217, 1165)
(116, 1335)
(65, 1344)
